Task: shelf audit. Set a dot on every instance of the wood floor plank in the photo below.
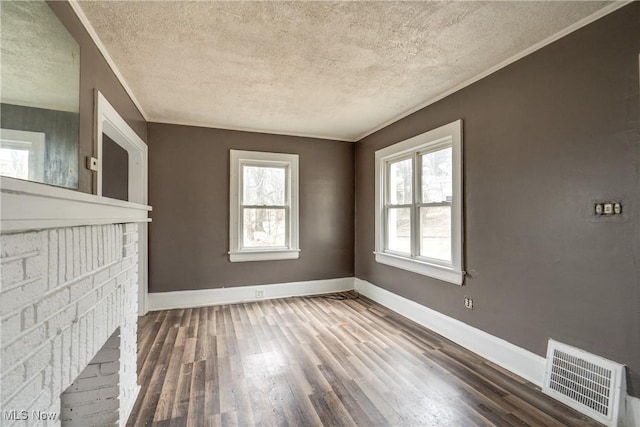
(337, 360)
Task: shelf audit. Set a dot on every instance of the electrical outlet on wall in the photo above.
(259, 293)
(468, 303)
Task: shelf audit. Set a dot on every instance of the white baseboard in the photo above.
(198, 298)
(632, 412)
(521, 362)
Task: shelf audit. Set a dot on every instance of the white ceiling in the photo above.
(337, 70)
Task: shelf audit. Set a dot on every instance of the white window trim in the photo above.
(33, 142)
(290, 161)
(453, 273)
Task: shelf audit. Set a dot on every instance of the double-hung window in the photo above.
(419, 204)
(263, 206)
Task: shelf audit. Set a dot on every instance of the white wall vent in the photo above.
(588, 383)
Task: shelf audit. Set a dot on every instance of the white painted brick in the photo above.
(130, 238)
(62, 256)
(76, 251)
(75, 368)
(130, 250)
(52, 303)
(11, 326)
(35, 266)
(27, 393)
(66, 358)
(12, 381)
(15, 351)
(38, 360)
(18, 243)
(121, 279)
(127, 262)
(19, 297)
(61, 320)
(37, 411)
(119, 243)
(68, 237)
(83, 250)
(109, 288)
(87, 302)
(89, 342)
(100, 239)
(28, 317)
(80, 288)
(89, 249)
(68, 341)
(53, 259)
(56, 364)
(101, 277)
(82, 354)
(12, 273)
(115, 269)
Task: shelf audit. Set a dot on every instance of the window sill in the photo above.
(273, 255)
(432, 270)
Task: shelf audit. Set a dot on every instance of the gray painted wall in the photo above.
(189, 192)
(543, 138)
(95, 73)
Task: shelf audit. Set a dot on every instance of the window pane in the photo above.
(264, 227)
(437, 173)
(435, 230)
(263, 186)
(399, 229)
(400, 182)
(14, 163)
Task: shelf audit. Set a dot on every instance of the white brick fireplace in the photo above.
(68, 311)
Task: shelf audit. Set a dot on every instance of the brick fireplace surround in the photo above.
(65, 292)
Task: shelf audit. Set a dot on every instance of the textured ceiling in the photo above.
(329, 69)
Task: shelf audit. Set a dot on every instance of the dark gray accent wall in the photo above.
(543, 138)
(115, 170)
(189, 192)
(95, 73)
(61, 139)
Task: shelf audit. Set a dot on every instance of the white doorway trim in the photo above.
(109, 122)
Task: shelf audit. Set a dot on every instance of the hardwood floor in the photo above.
(322, 361)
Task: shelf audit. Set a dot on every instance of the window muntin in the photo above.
(419, 204)
(263, 206)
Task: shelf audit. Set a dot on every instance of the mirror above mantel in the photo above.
(39, 97)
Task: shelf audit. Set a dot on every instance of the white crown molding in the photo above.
(611, 7)
(105, 53)
(204, 297)
(247, 129)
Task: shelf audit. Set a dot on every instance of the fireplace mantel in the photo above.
(32, 206)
